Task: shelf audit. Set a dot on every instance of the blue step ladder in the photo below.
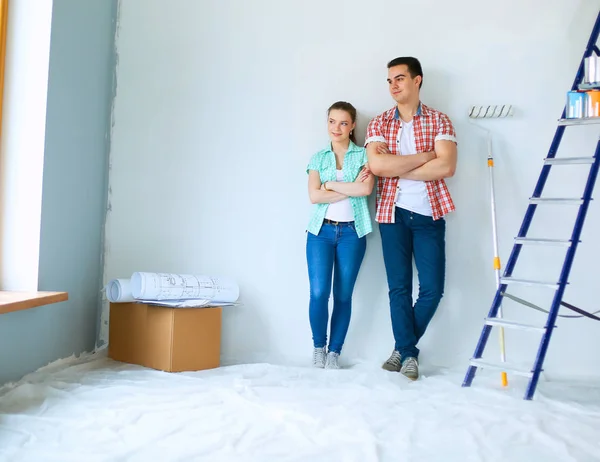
(522, 239)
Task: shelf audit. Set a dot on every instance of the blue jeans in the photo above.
(338, 250)
(420, 236)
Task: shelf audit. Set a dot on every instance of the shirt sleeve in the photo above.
(445, 130)
(363, 159)
(314, 163)
(374, 132)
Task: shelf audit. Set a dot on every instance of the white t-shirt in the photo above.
(411, 195)
(341, 210)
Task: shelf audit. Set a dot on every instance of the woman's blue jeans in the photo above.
(335, 254)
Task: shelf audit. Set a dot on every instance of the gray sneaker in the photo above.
(410, 368)
(319, 356)
(332, 360)
(393, 363)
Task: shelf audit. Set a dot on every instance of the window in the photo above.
(12, 300)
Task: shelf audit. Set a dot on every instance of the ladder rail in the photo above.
(564, 276)
(516, 250)
(485, 334)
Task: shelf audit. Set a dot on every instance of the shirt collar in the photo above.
(421, 110)
(351, 147)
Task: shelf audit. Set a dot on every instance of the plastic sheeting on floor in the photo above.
(93, 409)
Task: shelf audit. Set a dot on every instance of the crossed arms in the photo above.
(338, 190)
(424, 166)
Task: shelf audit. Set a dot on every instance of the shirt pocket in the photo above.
(352, 168)
(327, 173)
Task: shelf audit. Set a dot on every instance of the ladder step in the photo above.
(500, 367)
(581, 121)
(536, 241)
(528, 282)
(568, 160)
(589, 86)
(555, 200)
(500, 322)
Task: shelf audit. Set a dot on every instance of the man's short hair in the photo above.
(413, 64)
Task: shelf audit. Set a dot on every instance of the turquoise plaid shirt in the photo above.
(324, 163)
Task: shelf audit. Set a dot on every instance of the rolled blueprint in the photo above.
(119, 291)
(171, 286)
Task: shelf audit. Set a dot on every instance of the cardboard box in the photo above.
(167, 339)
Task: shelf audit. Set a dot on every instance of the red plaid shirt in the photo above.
(429, 126)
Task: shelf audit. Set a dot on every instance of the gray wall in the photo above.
(80, 93)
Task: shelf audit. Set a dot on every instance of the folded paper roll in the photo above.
(119, 291)
(171, 286)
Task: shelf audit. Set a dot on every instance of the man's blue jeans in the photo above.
(338, 250)
(420, 236)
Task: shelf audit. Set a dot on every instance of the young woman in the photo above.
(338, 185)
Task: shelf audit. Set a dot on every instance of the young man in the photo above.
(412, 148)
